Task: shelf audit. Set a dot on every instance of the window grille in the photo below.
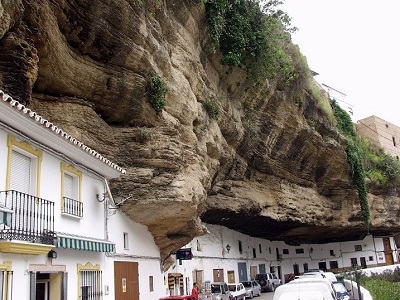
(6, 279)
(91, 285)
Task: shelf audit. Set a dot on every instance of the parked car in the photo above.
(238, 292)
(253, 288)
(306, 289)
(220, 291)
(328, 275)
(341, 292)
(178, 297)
(268, 281)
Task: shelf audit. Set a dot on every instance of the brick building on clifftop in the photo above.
(384, 134)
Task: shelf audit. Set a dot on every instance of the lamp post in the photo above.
(358, 275)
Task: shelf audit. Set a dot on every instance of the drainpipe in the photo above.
(106, 203)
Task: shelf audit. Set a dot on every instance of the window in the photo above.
(299, 250)
(126, 241)
(198, 245)
(240, 247)
(71, 179)
(254, 253)
(23, 167)
(394, 141)
(285, 251)
(333, 264)
(259, 248)
(6, 280)
(90, 282)
(357, 248)
(151, 283)
(353, 262)
(331, 253)
(371, 258)
(305, 267)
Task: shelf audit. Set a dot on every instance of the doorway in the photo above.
(42, 289)
(363, 262)
(126, 280)
(388, 251)
(242, 268)
(322, 266)
(218, 275)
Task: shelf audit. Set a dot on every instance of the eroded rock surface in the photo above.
(261, 168)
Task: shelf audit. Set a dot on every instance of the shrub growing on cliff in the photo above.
(380, 167)
(212, 108)
(253, 37)
(354, 157)
(156, 90)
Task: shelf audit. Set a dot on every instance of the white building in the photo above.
(340, 98)
(61, 234)
(227, 255)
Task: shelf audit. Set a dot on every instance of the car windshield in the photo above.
(246, 283)
(339, 287)
(215, 288)
(232, 288)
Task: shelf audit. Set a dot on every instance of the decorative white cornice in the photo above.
(23, 110)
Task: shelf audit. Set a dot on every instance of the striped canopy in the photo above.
(78, 242)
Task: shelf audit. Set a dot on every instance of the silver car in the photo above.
(220, 291)
(252, 288)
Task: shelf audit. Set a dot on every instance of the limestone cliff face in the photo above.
(260, 168)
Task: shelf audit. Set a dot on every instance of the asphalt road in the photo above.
(265, 296)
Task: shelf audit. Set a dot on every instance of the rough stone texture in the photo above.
(260, 169)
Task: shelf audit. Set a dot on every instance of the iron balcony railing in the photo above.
(72, 207)
(27, 218)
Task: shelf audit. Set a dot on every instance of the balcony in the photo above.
(72, 207)
(27, 223)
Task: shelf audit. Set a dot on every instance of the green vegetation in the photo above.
(380, 167)
(385, 286)
(317, 94)
(156, 90)
(255, 38)
(354, 157)
(212, 108)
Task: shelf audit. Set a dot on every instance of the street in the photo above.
(265, 296)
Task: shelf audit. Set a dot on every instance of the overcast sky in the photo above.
(355, 47)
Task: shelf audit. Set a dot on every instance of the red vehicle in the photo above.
(178, 297)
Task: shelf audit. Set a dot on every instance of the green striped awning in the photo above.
(78, 242)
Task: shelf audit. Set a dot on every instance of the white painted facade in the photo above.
(101, 223)
(259, 255)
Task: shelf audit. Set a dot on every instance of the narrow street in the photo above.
(265, 296)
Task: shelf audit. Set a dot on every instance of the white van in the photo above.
(307, 289)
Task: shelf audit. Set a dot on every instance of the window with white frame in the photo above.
(23, 167)
(71, 203)
(90, 282)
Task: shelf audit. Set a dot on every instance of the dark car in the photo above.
(268, 281)
(178, 297)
